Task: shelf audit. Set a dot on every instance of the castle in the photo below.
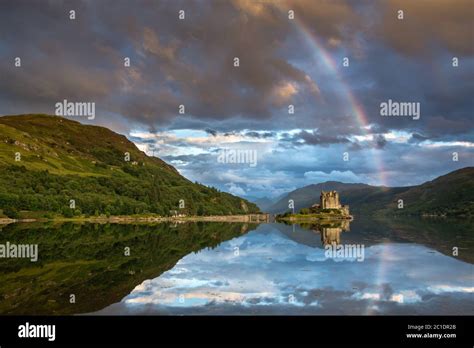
(330, 200)
(332, 235)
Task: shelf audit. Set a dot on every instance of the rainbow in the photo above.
(356, 107)
(362, 121)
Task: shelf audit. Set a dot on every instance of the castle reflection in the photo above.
(330, 232)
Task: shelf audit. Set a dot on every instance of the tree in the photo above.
(200, 210)
(11, 212)
(67, 212)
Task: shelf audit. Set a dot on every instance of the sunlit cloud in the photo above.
(290, 273)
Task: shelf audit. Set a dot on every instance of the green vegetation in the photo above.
(88, 260)
(449, 195)
(313, 214)
(63, 160)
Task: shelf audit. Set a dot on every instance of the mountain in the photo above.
(47, 161)
(263, 202)
(306, 196)
(451, 194)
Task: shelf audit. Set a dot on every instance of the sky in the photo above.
(186, 99)
(273, 274)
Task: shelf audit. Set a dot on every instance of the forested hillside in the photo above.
(49, 162)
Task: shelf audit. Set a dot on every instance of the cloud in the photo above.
(380, 141)
(201, 280)
(415, 137)
(211, 131)
(191, 63)
(284, 92)
(315, 138)
(151, 43)
(334, 175)
(236, 190)
(281, 169)
(450, 25)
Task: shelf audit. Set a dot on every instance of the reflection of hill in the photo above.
(88, 260)
(439, 234)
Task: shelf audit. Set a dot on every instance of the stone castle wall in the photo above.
(330, 200)
(345, 210)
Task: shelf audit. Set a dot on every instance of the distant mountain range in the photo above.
(264, 203)
(451, 194)
(47, 161)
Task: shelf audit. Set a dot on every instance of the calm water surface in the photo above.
(403, 267)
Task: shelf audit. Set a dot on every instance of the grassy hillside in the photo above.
(63, 159)
(88, 260)
(450, 195)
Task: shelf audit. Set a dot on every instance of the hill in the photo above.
(263, 203)
(305, 196)
(451, 195)
(47, 161)
(87, 259)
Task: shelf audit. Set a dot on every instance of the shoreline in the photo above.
(249, 218)
(313, 218)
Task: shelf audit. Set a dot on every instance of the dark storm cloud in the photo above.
(260, 135)
(441, 89)
(190, 62)
(315, 138)
(415, 138)
(380, 141)
(211, 131)
(173, 62)
(356, 146)
(449, 22)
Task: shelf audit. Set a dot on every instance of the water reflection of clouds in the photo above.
(273, 270)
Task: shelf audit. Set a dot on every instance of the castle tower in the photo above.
(330, 200)
(331, 235)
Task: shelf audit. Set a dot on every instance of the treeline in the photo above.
(128, 190)
(88, 259)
